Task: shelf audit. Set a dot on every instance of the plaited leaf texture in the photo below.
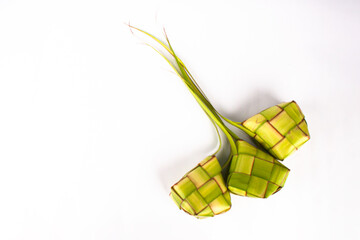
(280, 129)
(202, 191)
(254, 173)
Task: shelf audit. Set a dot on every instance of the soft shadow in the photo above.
(260, 100)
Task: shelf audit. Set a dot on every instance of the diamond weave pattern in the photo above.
(254, 173)
(280, 129)
(202, 191)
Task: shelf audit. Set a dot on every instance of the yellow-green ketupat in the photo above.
(254, 173)
(280, 129)
(202, 191)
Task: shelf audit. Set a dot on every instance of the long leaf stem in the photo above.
(194, 88)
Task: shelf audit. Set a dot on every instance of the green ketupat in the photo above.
(202, 191)
(280, 129)
(254, 173)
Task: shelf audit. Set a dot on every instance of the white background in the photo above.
(95, 128)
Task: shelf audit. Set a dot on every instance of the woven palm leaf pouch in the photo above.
(254, 173)
(280, 129)
(202, 191)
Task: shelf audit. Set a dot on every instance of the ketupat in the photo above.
(280, 129)
(254, 173)
(202, 191)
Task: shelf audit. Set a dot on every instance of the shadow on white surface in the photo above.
(259, 100)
